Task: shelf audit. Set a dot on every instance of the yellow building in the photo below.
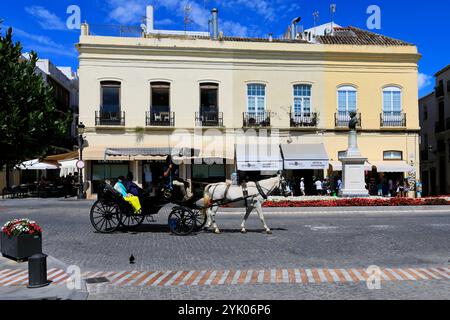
(144, 97)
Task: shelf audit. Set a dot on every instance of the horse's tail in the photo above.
(206, 196)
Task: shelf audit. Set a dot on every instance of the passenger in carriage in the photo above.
(132, 187)
(128, 197)
(171, 174)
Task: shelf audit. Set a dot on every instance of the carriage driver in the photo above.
(171, 174)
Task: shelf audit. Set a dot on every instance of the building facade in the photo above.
(142, 96)
(435, 136)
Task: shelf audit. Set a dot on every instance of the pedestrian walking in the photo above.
(302, 187)
(319, 188)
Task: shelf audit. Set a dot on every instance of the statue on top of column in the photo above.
(354, 121)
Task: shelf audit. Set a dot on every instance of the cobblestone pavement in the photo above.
(303, 238)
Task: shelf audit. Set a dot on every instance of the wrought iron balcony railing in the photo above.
(303, 120)
(256, 119)
(161, 119)
(209, 119)
(392, 119)
(109, 118)
(342, 118)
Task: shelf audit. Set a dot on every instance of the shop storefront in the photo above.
(307, 161)
(255, 162)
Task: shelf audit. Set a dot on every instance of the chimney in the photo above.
(294, 27)
(149, 19)
(215, 23)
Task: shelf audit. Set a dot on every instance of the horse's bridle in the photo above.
(266, 195)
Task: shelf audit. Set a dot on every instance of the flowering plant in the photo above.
(18, 227)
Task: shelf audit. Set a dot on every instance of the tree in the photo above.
(29, 121)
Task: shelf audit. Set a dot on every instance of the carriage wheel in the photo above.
(105, 218)
(181, 221)
(132, 220)
(200, 218)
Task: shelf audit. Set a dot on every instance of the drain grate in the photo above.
(97, 280)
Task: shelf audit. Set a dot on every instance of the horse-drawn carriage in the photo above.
(111, 211)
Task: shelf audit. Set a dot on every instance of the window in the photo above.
(393, 155)
(160, 97)
(392, 100)
(302, 99)
(256, 98)
(208, 171)
(425, 113)
(209, 97)
(110, 95)
(347, 99)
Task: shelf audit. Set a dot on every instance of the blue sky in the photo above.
(41, 24)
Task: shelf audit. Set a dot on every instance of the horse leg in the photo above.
(213, 218)
(208, 218)
(258, 208)
(248, 210)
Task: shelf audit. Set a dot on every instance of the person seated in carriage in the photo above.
(128, 197)
(172, 179)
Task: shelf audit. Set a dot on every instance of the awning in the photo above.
(258, 157)
(149, 152)
(393, 166)
(68, 166)
(337, 166)
(36, 165)
(304, 156)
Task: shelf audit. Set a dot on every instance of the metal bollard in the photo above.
(37, 271)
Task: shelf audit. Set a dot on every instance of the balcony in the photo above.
(303, 120)
(256, 119)
(341, 119)
(160, 119)
(109, 118)
(393, 120)
(209, 119)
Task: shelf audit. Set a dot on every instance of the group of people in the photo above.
(70, 183)
(315, 187)
(388, 188)
(131, 192)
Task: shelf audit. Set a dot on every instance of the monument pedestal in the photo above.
(353, 173)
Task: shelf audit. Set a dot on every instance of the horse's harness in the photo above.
(245, 197)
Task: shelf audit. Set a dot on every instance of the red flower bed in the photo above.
(359, 202)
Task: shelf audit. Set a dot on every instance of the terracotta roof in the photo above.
(355, 36)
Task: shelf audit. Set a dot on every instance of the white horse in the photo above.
(256, 194)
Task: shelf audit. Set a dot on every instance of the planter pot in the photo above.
(20, 247)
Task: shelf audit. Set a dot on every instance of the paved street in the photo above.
(314, 253)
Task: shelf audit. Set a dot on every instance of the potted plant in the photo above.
(20, 239)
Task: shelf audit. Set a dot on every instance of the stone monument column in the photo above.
(353, 177)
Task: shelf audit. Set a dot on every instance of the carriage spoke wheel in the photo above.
(132, 220)
(181, 221)
(105, 218)
(200, 219)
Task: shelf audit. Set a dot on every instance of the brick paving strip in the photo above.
(17, 277)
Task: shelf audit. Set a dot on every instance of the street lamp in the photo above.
(80, 164)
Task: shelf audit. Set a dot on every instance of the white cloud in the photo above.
(231, 28)
(126, 12)
(43, 44)
(266, 9)
(424, 80)
(46, 19)
(132, 12)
